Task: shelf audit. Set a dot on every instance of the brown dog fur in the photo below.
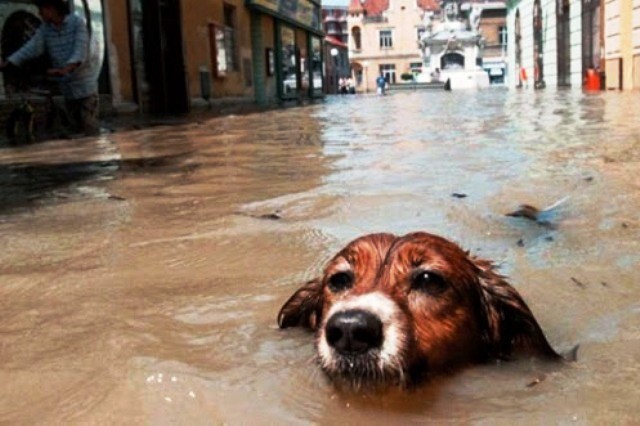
(437, 309)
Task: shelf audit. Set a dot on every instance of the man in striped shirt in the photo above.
(75, 57)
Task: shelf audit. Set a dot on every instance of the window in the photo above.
(230, 36)
(316, 65)
(386, 39)
(389, 72)
(223, 43)
(502, 31)
(415, 66)
(289, 60)
(357, 41)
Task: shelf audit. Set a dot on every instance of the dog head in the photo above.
(395, 310)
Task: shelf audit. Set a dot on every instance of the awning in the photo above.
(335, 42)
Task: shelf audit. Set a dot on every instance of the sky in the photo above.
(335, 2)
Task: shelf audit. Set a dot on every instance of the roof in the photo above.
(428, 4)
(376, 7)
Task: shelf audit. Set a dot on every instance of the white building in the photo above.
(622, 44)
(552, 43)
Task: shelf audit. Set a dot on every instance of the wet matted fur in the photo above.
(394, 310)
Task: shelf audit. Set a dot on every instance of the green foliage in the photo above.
(406, 76)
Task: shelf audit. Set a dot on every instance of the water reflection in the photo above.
(158, 304)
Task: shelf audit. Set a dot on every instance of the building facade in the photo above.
(493, 27)
(287, 36)
(169, 56)
(553, 43)
(334, 24)
(336, 63)
(622, 44)
(383, 39)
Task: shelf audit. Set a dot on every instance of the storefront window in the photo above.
(304, 67)
(289, 61)
(316, 65)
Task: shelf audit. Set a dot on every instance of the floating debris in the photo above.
(542, 216)
(578, 282)
(270, 216)
(276, 215)
(536, 381)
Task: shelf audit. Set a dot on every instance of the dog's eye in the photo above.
(340, 281)
(428, 282)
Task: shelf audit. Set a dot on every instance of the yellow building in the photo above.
(173, 55)
(169, 56)
(383, 38)
(622, 44)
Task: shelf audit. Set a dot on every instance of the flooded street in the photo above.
(142, 272)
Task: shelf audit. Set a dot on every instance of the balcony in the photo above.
(334, 31)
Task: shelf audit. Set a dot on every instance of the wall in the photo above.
(404, 18)
(550, 51)
(268, 40)
(196, 17)
(118, 54)
(622, 44)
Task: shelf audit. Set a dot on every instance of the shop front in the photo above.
(287, 46)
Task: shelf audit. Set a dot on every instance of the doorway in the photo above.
(160, 49)
(591, 35)
(538, 47)
(289, 58)
(563, 33)
(518, 39)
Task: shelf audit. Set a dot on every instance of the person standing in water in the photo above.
(76, 60)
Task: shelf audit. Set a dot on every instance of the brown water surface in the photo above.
(141, 272)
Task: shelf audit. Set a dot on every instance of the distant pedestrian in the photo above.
(435, 76)
(523, 77)
(342, 86)
(351, 88)
(381, 84)
(75, 56)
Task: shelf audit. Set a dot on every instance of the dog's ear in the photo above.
(304, 308)
(510, 325)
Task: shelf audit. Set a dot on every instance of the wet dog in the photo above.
(392, 310)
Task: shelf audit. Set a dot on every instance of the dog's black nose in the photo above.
(354, 331)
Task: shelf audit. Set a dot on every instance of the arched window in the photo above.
(357, 38)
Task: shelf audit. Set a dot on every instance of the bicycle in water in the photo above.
(36, 117)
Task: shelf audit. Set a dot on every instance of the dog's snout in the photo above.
(354, 331)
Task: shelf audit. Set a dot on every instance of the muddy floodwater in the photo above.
(141, 272)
